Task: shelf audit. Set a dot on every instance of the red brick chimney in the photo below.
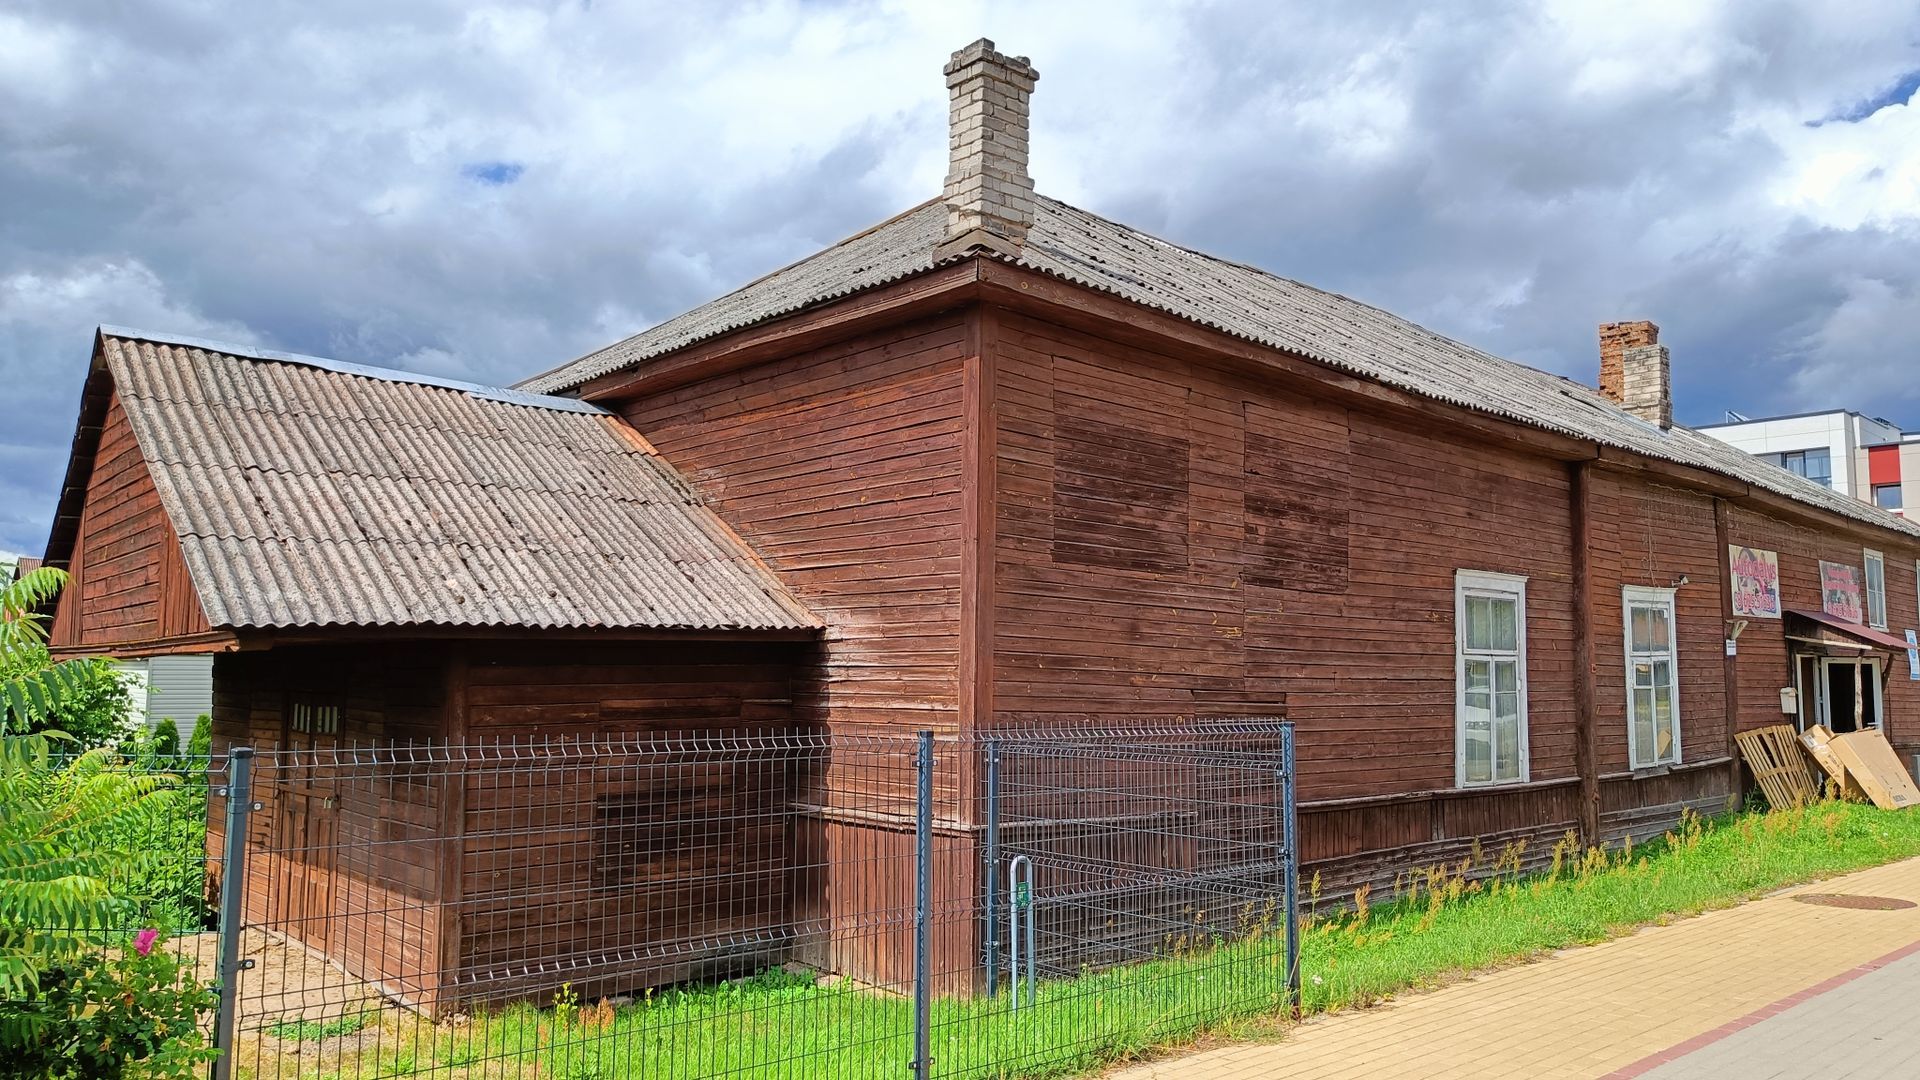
(1636, 372)
(989, 194)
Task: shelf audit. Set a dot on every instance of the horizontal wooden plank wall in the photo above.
(344, 857)
(1763, 656)
(1344, 624)
(1308, 572)
(1652, 534)
(841, 466)
(626, 867)
(129, 583)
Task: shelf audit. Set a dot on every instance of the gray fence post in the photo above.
(1290, 872)
(993, 866)
(922, 902)
(233, 884)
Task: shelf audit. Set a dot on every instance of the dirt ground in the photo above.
(288, 982)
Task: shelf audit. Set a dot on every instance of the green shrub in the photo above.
(164, 741)
(96, 709)
(200, 743)
(126, 1012)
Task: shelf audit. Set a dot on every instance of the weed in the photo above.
(300, 1030)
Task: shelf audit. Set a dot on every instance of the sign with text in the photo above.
(1913, 657)
(1840, 591)
(1756, 582)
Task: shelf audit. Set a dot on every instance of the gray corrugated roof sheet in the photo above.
(311, 493)
(1240, 300)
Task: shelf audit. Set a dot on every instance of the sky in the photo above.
(485, 191)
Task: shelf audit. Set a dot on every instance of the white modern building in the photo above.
(1855, 454)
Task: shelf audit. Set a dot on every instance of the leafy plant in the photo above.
(70, 846)
(31, 685)
(105, 1015)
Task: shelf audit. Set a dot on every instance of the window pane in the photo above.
(1506, 726)
(1663, 722)
(1479, 623)
(1887, 496)
(1506, 676)
(1642, 675)
(1505, 625)
(1477, 728)
(1643, 727)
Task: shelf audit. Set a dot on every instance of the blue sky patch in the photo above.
(493, 173)
(1899, 93)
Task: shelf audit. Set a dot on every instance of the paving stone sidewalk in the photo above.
(1718, 995)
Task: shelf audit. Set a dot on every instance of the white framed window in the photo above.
(1490, 676)
(1876, 589)
(1653, 677)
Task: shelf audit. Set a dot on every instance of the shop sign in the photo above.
(1756, 582)
(1840, 592)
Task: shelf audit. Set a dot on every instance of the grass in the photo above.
(1442, 923)
(316, 1030)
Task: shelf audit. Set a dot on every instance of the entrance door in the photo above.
(309, 814)
(1841, 692)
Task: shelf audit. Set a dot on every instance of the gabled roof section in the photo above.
(308, 493)
(1236, 299)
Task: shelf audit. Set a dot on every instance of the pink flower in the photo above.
(143, 942)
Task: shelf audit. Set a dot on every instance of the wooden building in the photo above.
(999, 464)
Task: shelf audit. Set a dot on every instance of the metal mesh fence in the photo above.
(759, 904)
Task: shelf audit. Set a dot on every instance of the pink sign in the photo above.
(1840, 592)
(1756, 582)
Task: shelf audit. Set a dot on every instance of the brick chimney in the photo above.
(989, 194)
(1636, 372)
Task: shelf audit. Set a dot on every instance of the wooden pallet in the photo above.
(1774, 755)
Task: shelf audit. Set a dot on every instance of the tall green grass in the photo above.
(1439, 924)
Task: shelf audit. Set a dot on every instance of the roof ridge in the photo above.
(483, 391)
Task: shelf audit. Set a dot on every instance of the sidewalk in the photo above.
(1708, 996)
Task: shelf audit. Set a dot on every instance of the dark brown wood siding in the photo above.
(129, 584)
(1764, 663)
(841, 466)
(627, 861)
(1318, 580)
(345, 854)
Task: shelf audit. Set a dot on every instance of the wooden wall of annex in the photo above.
(129, 584)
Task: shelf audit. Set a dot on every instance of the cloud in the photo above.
(487, 191)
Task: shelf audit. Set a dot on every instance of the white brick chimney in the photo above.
(1636, 371)
(989, 194)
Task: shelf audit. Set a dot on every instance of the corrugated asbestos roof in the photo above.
(1240, 300)
(311, 493)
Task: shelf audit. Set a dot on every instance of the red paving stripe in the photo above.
(1708, 1038)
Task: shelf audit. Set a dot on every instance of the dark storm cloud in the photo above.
(490, 191)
